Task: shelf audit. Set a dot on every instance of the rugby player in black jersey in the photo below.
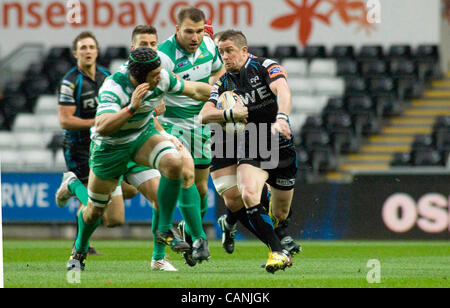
(262, 86)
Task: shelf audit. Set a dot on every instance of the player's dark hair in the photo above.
(192, 13)
(81, 36)
(143, 29)
(236, 36)
(142, 61)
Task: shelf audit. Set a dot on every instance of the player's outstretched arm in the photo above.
(199, 91)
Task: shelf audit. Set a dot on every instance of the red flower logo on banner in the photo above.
(308, 11)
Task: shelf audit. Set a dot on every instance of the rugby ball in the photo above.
(228, 100)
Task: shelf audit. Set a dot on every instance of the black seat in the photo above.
(112, 53)
(338, 120)
(422, 141)
(365, 115)
(443, 142)
(389, 102)
(2, 120)
(319, 148)
(334, 105)
(58, 53)
(312, 124)
(355, 85)
(347, 67)
(34, 70)
(441, 129)
(345, 140)
(315, 139)
(374, 68)
(361, 104)
(428, 157)
(32, 89)
(314, 51)
(442, 122)
(401, 159)
(410, 87)
(381, 85)
(342, 134)
(12, 105)
(427, 58)
(57, 72)
(370, 52)
(259, 51)
(400, 52)
(343, 52)
(427, 52)
(285, 51)
(403, 68)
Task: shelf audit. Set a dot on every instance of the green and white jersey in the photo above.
(197, 66)
(115, 94)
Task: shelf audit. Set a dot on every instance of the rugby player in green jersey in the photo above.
(125, 131)
(193, 56)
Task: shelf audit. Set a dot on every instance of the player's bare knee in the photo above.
(233, 200)
(171, 166)
(250, 196)
(188, 175)
(91, 214)
(113, 222)
(280, 213)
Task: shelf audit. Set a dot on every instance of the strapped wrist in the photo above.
(282, 116)
(228, 115)
(130, 110)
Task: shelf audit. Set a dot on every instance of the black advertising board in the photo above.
(380, 206)
(403, 206)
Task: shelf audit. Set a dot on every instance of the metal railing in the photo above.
(14, 65)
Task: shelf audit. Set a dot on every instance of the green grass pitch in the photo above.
(126, 263)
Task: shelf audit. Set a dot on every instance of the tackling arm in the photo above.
(199, 91)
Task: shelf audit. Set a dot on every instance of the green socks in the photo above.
(167, 195)
(190, 210)
(158, 249)
(85, 232)
(79, 190)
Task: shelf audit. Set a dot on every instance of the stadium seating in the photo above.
(259, 51)
(111, 53)
(26, 122)
(341, 97)
(323, 68)
(343, 52)
(295, 67)
(311, 52)
(11, 160)
(370, 52)
(285, 51)
(46, 105)
(7, 141)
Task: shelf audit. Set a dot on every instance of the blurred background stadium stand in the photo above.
(352, 109)
(355, 109)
